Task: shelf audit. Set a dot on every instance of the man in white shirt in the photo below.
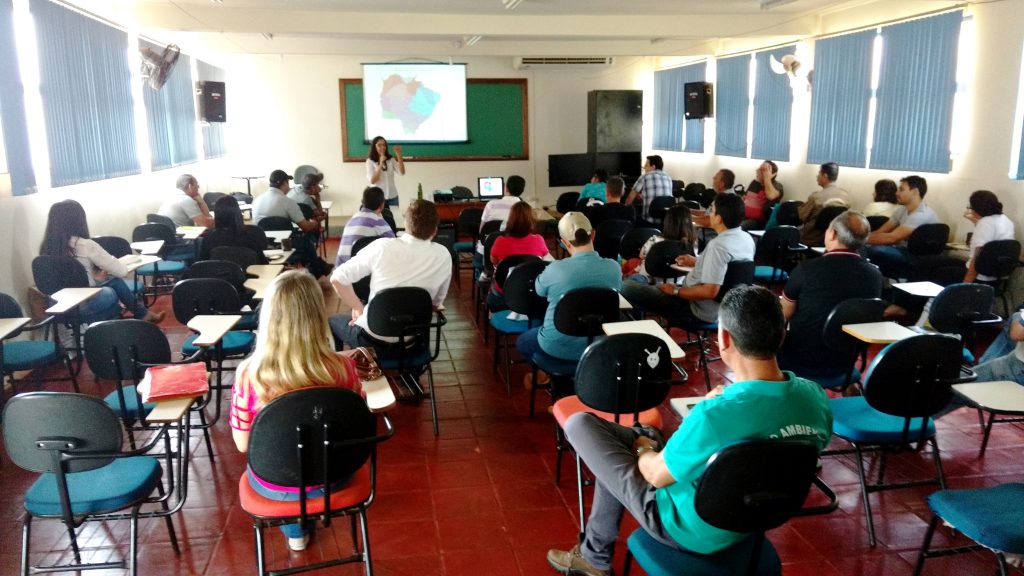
(187, 208)
(410, 260)
(499, 209)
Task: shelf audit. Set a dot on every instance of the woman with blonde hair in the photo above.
(293, 351)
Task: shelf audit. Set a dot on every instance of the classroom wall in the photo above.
(283, 111)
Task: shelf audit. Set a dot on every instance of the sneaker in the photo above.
(572, 562)
(298, 544)
(155, 317)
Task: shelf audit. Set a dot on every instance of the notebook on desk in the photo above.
(174, 381)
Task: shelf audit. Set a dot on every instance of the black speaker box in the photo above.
(211, 102)
(698, 100)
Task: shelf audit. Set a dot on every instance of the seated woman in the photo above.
(990, 224)
(519, 239)
(230, 230)
(884, 203)
(293, 351)
(67, 234)
(678, 225)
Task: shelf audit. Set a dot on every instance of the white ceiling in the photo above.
(441, 27)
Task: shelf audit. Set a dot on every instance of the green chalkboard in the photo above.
(496, 110)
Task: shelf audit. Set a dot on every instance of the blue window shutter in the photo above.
(732, 100)
(840, 99)
(773, 106)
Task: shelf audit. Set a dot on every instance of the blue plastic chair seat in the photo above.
(112, 487)
(825, 379)
(769, 273)
(132, 403)
(249, 321)
(165, 267)
(983, 515)
(463, 246)
(854, 420)
(659, 560)
(501, 323)
(28, 354)
(233, 343)
(415, 356)
(554, 366)
(968, 357)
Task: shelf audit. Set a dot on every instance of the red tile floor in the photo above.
(480, 499)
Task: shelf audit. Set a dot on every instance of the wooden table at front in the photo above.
(265, 275)
(878, 332)
(449, 211)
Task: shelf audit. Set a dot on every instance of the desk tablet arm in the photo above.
(966, 375)
(436, 325)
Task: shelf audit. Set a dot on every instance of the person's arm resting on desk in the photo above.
(890, 233)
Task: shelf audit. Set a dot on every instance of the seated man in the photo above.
(695, 299)
(187, 208)
(613, 209)
(655, 483)
(368, 222)
(818, 285)
(654, 182)
(411, 260)
(595, 189)
(585, 268)
(829, 195)
(308, 192)
(887, 246)
(274, 202)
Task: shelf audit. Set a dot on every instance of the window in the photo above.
(1017, 149)
(15, 157)
(669, 100)
(916, 88)
(773, 106)
(85, 85)
(171, 115)
(732, 103)
(841, 98)
(214, 145)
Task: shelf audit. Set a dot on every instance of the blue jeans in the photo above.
(352, 335)
(892, 261)
(127, 297)
(291, 530)
(102, 306)
(527, 344)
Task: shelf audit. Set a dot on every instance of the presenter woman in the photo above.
(293, 351)
(67, 234)
(381, 167)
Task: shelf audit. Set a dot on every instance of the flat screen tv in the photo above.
(490, 187)
(570, 169)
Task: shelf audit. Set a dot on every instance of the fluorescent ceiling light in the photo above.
(769, 4)
(511, 4)
(471, 40)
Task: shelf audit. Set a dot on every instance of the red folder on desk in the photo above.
(174, 381)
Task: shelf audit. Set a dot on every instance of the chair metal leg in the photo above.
(433, 398)
(260, 562)
(579, 497)
(627, 564)
(508, 368)
(533, 395)
(133, 542)
(1003, 570)
(366, 543)
(937, 457)
(988, 431)
(494, 362)
(354, 533)
(26, 533)
(922, 555)
(864, 495)
(206, 434)
(167, 519)
(559, 447)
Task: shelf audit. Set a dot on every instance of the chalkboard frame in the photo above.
(439, 156)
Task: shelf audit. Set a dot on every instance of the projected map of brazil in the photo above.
(409, 101)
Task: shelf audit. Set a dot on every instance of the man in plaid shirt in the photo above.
(653, 183)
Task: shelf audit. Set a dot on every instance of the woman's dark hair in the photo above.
(678, 225)
(373, 149)
(227, 215)
(985, 203)
(520, 220)
(885, 191)
(65, 221)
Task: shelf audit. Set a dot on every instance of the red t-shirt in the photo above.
(505, 246)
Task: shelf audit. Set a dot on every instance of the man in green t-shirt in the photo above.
(656, 485)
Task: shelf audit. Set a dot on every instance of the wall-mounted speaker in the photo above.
(698, 103)
(211, 101)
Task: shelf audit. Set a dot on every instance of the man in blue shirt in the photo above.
(657, 484)
(585, 268)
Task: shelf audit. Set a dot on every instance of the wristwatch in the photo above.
(675, 289)
(643, 450)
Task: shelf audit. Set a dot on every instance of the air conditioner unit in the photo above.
(561, 63)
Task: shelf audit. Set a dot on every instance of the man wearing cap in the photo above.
(695, 299)
(585, 268)
(308, 192)
(187, 208)
(274, 202)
